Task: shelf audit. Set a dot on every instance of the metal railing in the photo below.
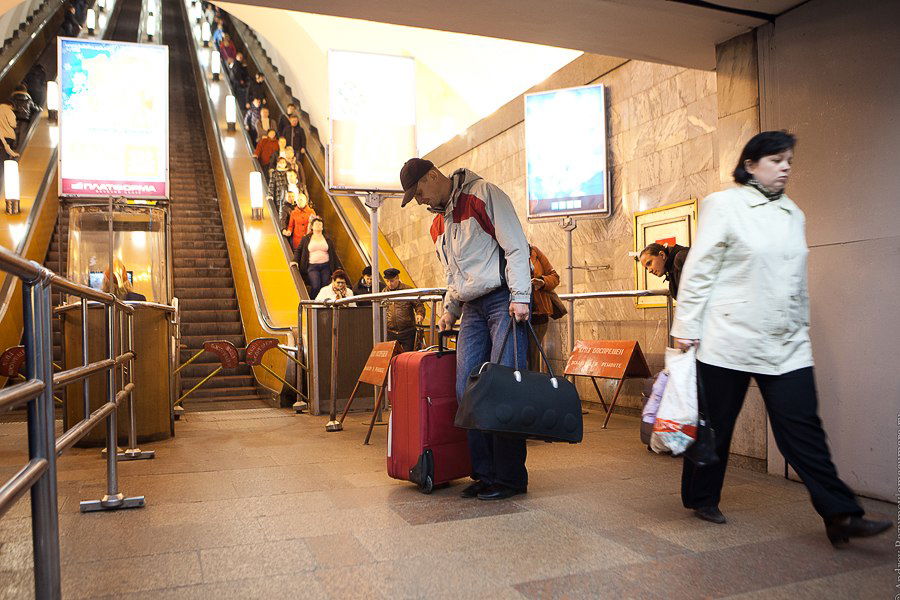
(430, 294)
(39, 474)
(571, 298)
(434, 295)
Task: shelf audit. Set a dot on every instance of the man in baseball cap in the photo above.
(402, 316)
(413, 170)
(482, 247)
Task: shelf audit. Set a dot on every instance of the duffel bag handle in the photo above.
(512, 324)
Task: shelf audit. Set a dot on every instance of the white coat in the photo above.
(743, 291)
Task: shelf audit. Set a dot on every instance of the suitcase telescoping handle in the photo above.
(441, 348)
(442, 336)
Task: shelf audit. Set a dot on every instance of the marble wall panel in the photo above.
(697, 154)
(737, 75)
(734, 132)
(701, 117)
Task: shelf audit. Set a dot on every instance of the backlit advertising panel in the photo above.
(113, 119)
(565, 151)
(372, 111)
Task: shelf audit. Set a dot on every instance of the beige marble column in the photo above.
(737, 90)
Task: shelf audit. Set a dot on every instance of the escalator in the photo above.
(346, 217)
(203, 279)
(123, 27)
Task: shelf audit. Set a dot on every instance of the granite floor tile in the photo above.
(266, 504)
(713, 574)
(283, 557)
(452, 508)
(130, 575)
(876, 582)
(303, 586)
(337, 550)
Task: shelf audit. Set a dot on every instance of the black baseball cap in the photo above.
(391, 273)
(413, 170)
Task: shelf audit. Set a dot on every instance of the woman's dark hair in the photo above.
(653, 248)
(762, 144)
(340, 274)
(313, 222)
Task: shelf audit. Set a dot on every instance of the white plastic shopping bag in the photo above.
(648, 414)
(676, 420)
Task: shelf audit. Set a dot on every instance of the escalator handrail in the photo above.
(275, 219)
(339, 209)
(53, 164)
(30, 40)
(200, 74)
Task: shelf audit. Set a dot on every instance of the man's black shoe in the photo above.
(474, 489)
(498, 492)
(711, 514)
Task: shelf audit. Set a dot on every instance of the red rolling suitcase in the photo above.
(424, 446)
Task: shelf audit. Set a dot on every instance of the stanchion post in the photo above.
(41, 439)
(432, 325)
(300, 405)
(114, 499)
(85, 388)
(669, 317)
(132, 452)
(333, 424)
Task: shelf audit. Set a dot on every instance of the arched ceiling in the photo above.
(460, 78)
(678, 32)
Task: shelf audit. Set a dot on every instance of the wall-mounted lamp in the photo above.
(91, 21)
(256, 195)
(52, 100)
(215, 65)
(230, 112)
(11, 186)
(205, 33)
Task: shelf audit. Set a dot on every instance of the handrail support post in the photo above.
(132, 452)
(114, 499)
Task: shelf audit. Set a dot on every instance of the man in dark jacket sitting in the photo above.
(402, 317)
(663, 261)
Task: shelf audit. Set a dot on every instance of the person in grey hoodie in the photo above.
(482, 247)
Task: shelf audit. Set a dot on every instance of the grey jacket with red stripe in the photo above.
(477, 234)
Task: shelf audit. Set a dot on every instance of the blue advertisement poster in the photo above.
(113, 119)
(565, 151)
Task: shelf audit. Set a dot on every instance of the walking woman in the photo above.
(743, 302)
(316, 257)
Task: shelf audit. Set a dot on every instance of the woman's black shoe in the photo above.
(840, 531)
(473, 489)
(711, 514)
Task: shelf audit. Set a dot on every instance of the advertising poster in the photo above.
(372, 109)
(565, 151)
(113, 119)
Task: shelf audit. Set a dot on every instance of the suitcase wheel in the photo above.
(428, 486)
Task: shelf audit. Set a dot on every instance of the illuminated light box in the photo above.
(113, 119)
(565, 151)
(372, 113)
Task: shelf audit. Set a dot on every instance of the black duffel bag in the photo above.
(504, 400)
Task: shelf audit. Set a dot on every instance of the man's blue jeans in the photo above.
(496, 459)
